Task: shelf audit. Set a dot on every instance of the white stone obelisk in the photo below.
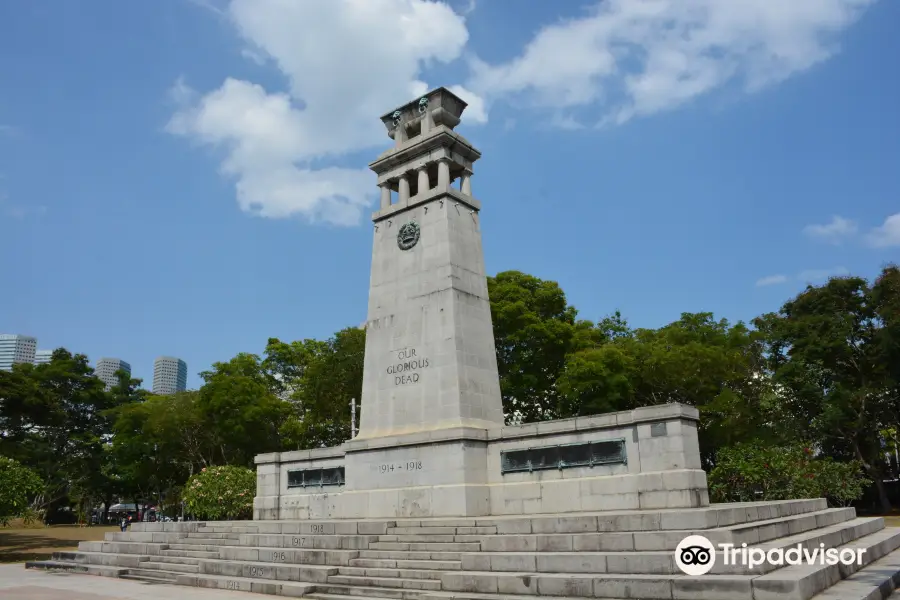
(430, 388)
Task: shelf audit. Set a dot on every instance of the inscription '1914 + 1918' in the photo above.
(404, 372)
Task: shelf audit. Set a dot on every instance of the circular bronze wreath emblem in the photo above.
(408, 236)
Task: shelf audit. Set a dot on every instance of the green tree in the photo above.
(830, 352)
(285, 363)
(533, 331)
(240, 406)
(18, 487)
(331, 376)
(54, 421)
(221, 493)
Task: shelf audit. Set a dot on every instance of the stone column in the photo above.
(404, 189)
(465, 185)
(443, 174)
(385, 195)
(423, 183)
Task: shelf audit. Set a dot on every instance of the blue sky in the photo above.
(189, 177)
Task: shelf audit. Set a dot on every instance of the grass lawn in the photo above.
(19, 543)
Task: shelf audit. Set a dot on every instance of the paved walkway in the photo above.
(17, 583)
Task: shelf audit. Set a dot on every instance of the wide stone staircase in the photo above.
(611, 555)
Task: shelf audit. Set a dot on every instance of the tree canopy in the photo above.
(820, 372)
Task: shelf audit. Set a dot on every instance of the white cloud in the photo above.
(834, 231)
(341, 76)
(211, 6)
(181, 94)
(476, 111)
(771, 280)
(638, 57)
(887, 234)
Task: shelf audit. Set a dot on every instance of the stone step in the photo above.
(749, 533)
(658, 562)
(194, 547)
(348, 527)
(325, 542)
(804, 581)
(101, 559)
(175, 552)
(788, 583)
(213, 542)
(277, 555)
(268, 570)
(293, 589)
(475, 596)
(386, 582)
(210, 535)
(146, 579)
(175, 560)
(663, 540)
(873, 582)
(426, 547)
(158, 574)
(442, 530)
(382, 563)
(348, 591)
(317, 596)
(407, 555)
(122, 547)
(135, 537)
(171, 567)
(74, 567)
(379, 572)
(431, 538)
(719, 515)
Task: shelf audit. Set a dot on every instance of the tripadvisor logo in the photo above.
(695, 555)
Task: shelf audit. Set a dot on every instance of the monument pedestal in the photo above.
(647, 458)
(430, 474)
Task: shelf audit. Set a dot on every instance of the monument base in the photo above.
(647, 458)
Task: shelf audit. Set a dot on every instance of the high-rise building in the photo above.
(169, 375)
(15, 348)
(42, 356)
(107, 368)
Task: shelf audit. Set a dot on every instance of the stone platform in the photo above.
(612, 555)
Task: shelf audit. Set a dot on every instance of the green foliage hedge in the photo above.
(755, 471)
(221, 493)
(18, 486)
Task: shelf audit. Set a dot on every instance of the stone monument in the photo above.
(432, 440)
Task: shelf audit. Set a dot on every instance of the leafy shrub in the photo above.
(18, 486)
(754, 471)
(221, 493)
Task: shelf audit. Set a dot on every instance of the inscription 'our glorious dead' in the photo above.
(404, 371)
